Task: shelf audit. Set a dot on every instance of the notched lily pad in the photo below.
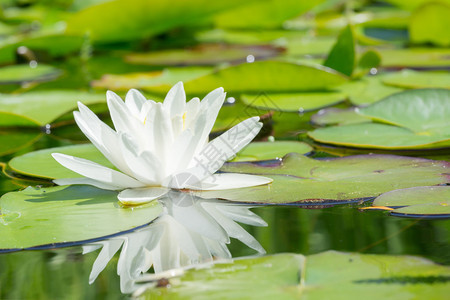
(65, 215)
(208, 54)
(304, 181)
(414, 79)
(432, 201)
(25, 73)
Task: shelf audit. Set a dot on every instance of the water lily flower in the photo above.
(159, 146)
(189, 231)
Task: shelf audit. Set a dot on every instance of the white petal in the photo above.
(225, 181)
(88, 181)
(95, 171)
(175, 100)
(192, 109)
(144, 165)
(141, 195)
(123, 120)
(215, 154)
(134, 100)
(162, 132)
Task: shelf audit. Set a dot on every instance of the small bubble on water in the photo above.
(230, 100)
(301, 110)
(22, 50)
(47, 128)
(373, 71)
(33, 64)
(271, 139)
(250, 58)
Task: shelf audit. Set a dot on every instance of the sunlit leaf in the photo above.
(415, 57)
(430, 23)
(342, 56)
(331, 116)
(415, 79)
(271, 150)
(14, 140)
(66, 215)
(303, 180)
(423, 200)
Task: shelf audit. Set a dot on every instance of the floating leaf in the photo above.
(266, 76)
(415, 57)
(422, 117)
(271, 150)
(45, 217)
(331, 116)
(331, 274)
(14, 140)
(25, 73)
(208, 54)
(414, 79)
(369, 60)
(419, 201)
(166, 77)
(41, 107)
(430, 23)
(293, 102)
(342, 56)
(263, 14)
(302, 180)
(127, 20)
(367, 90)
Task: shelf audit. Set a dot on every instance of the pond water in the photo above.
(352, 195)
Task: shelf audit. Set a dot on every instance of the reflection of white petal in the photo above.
(109, 249)
(242, 214)
(141, 195)
(95, 171)
(224, 181)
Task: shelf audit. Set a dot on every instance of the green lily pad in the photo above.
(367, 90)
(415, 57)
(41, 107)
(425, 125)
(430, 24)
(263, 14)
(417, 201)
(271, 150)
(412, 4)
(128, 20)
(14, 140)
(327, 275)
(265, 76)
(45, 217)
(368, 61)
(414, 79)
(340, 116)
(208, 54)
(25, 73)
(303, 180)
(342, 56)
(293, 102)
(167, 78)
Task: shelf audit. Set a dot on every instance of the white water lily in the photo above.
(189, 231)
(158, 146)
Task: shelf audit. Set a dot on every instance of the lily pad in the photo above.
(430, 24)
(208, 54)
(342, 56)
(166, 77)
(66, 215)
(367, 90)
(271, 150)
(25, 73)
(327, 275)
(340, 116)
(14, 140)
(302, 180)
(417, 201)
(127, 20)
(293, 102)
(415, 57)
(419, 120)
(41, 107)
(415, 79)
(266, 76)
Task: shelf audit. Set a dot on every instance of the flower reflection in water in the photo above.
(189, 231)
